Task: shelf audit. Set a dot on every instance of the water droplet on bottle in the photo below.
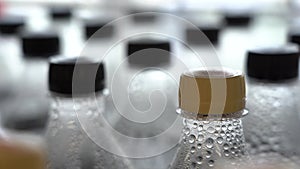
(200, 128)
(220, 140)
(230, 127)
(186, 130)
(210, 130)
(218, 127)
(209, 143)
(199, 159)
(226, 146)
(208, 154)
(195, 125)
(206, 122)
(222, 133)
(224, 127)
(193, 150)
(200, 137)
(211, 163)
(226, 153)
(192, 138)
(199, 145)
(193, 165)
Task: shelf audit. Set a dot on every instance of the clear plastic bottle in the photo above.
(213, 129)
(72, 101)
(273, 125)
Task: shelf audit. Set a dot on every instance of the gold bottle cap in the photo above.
(212, 92)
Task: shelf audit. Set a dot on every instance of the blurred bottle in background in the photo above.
(273, 124)
(213, 129)
(31, 89)
(75, 103)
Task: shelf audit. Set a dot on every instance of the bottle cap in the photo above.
(11, 24)
(150, 51)
(212, 92)
(273, 63)
(294, 37)
(60, 13)
(193, 35)
(238, 18)
(88, 77)
(92, 26)
(40, 44)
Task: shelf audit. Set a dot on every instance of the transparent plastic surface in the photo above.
(206, 142)
(67, 142)
(273, 124)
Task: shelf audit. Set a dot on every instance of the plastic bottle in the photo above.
(213, 129)
(72, 101)
(273, 125)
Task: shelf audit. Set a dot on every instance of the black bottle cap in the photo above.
(60, 13)
(273, 63)
(143, 16)
(294, 36)
(193, 35)
(86, 78)
(238, 18)
(11, 24)
(147, 51)
(92, 26)
(40, 44)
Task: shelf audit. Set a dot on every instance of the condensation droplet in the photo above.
(199, 159)
(224, 127)
(193, 150)
(200, 128)
(195, 125)
(200, 137)
(226, 153)
(210, 130)
(209, 143)
(226, 146)
(186, 130)
(192, 139)
(230, 127)
(208, 154)
(220, 140)
(199, 145)
(218, 127)
(211, 163)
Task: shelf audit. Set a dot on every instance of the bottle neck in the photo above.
(205, 142)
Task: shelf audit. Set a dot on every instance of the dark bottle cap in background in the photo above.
(149, 51)
(87, 78)
(273, 63)
(61, 13)
(11, 24)
(40, 44)
(92, 26)
(238, 18)
(194, 36)
(142, 16)
(294, 37)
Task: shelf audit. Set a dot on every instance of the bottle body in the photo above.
(272, 126)
(68, 142)
(204, 143)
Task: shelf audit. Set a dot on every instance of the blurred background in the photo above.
(232, 26)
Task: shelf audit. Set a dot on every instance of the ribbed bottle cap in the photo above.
(87, 77)
(273, 63)
(11, 24)
(193, 35)
(212, 92)
(40, 44)
(150, 51)
(92, 26)
(60, 13)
